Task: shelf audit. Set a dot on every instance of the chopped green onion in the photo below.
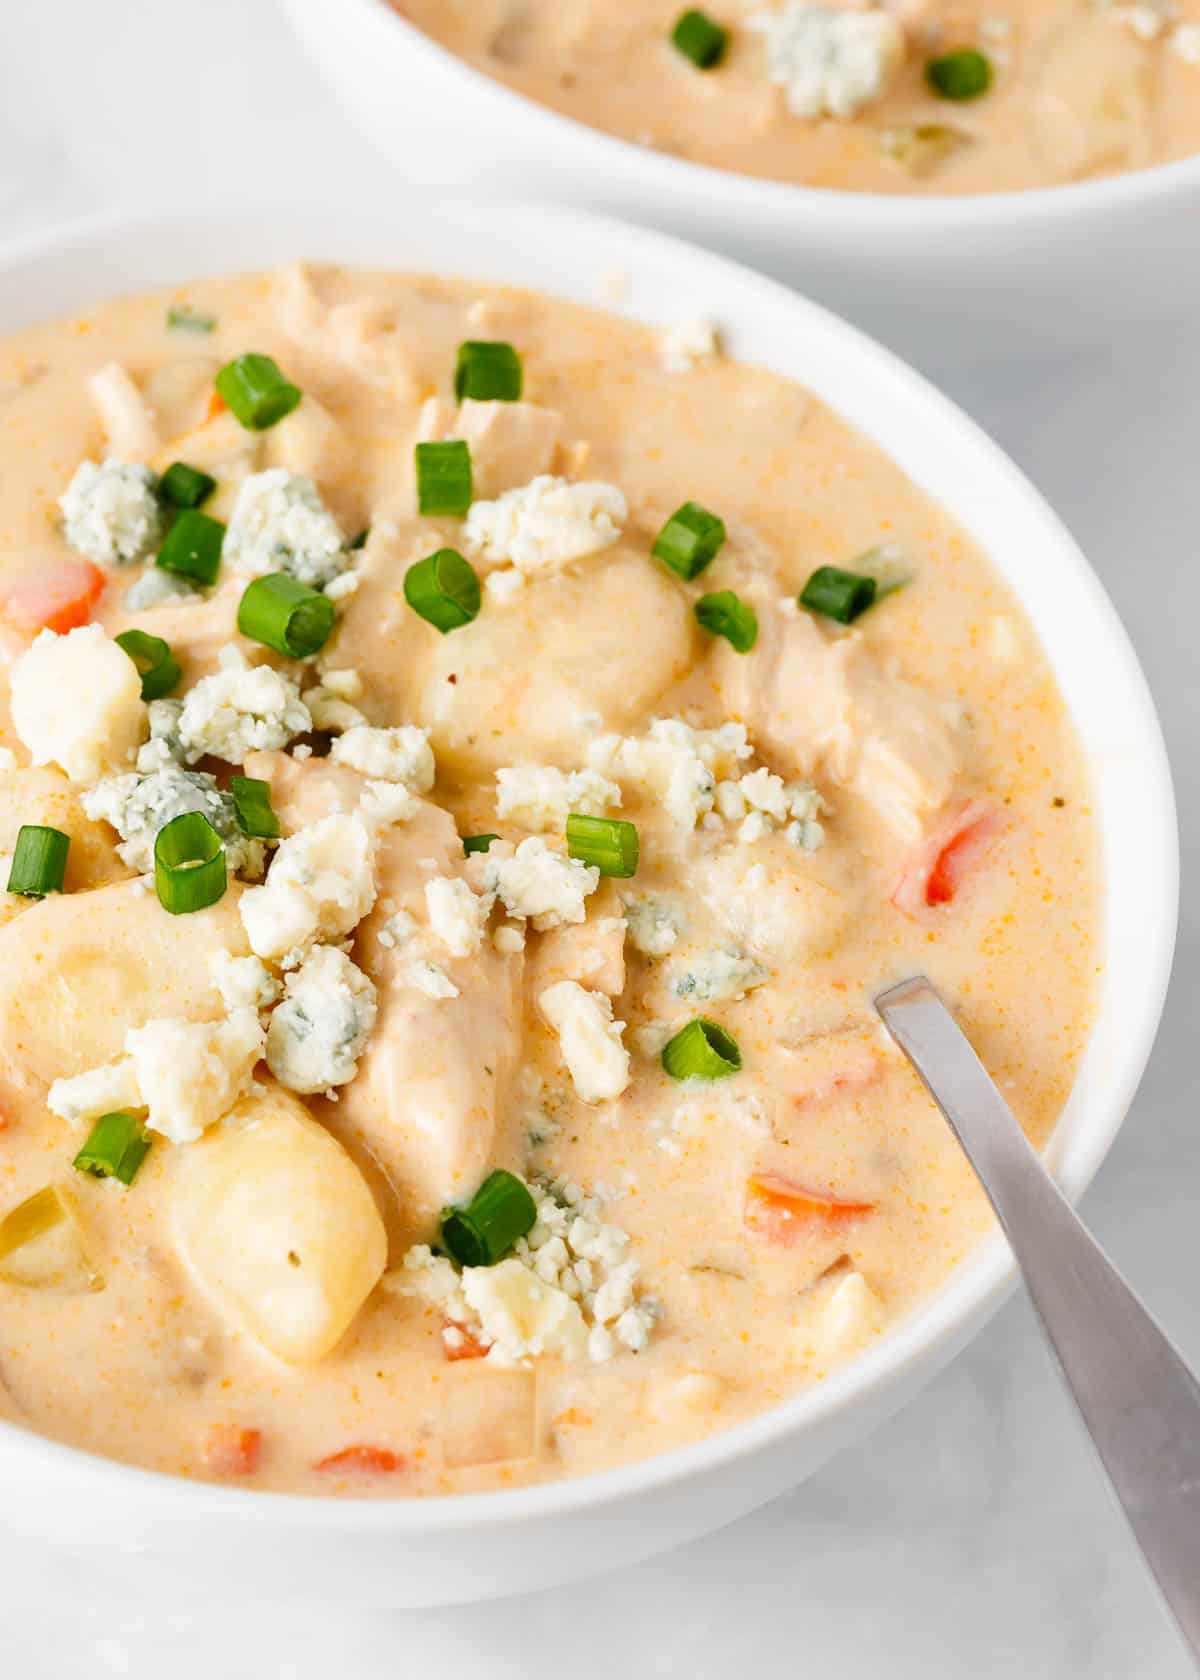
(488, 371)
(252, 802)
(116, 1147)
(285, 615)
(701, 1050)
(158, 667)
(499, 1212)
(182, 318)
(39, 861)
(697, 37)
(838, 594)
(607, 843)
(963, 74)
(184, 486)
(360, 541)
(256, 391)
(689, 540)
(443, 589)
(192, 547)
(478, 842)
(444, 477)
(189, 864)
(725, 614)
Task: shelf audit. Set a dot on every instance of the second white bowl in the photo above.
(944, 280)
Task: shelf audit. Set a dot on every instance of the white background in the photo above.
(971, 1536)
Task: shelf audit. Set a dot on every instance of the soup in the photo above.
(922, 96)
(458, 805)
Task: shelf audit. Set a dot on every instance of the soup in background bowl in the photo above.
(429, 1144)
(1043, 215)
(921, 96)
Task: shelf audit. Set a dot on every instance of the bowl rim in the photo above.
(917, 213)
(961, 1306)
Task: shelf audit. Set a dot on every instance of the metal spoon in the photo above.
(1138, 1399)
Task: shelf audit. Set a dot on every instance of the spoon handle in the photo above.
(1138, 1399)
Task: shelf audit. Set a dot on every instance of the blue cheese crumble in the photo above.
(570, 1289)
(111, 512)
(322, 1027)
(280, 524)
(831, 62)
(138, 804)
(240, 709)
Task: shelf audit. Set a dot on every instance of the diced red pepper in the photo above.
(782, 1211)
(943, 860)
(462, 1344)
(216, 405)
(232, 1451)
(367, 1460)
(60, 598)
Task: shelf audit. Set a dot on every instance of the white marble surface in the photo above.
(969, 1537)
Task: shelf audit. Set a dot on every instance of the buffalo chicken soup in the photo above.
(458, 802)
(917, 96)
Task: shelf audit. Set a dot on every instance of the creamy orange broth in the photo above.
(145, 1367)
(1078, 91)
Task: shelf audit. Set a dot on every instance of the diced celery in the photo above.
(920, 147)
(41, 1245)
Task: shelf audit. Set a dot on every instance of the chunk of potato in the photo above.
(514, 686)
(278, 1225)
(79, 969)
(46, 798)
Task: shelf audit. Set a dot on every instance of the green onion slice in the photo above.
(444, 478)
(487, 370)
(182, 318)
(697, 37)
(499, 1212)
(285, 615)
(689, 540)
(607, 843)
(192, 547)
(838, 594)
(39, 862)
(701, 1050)
(185, 487)
(256, 391)
(252, 802)
(153, 657)
(963, 74)
(478, 842)
(726, 614)
(189, 864)
(116, 1147)
(443, 589)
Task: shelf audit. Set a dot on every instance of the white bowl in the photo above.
(944, 280)
(429, 1551)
